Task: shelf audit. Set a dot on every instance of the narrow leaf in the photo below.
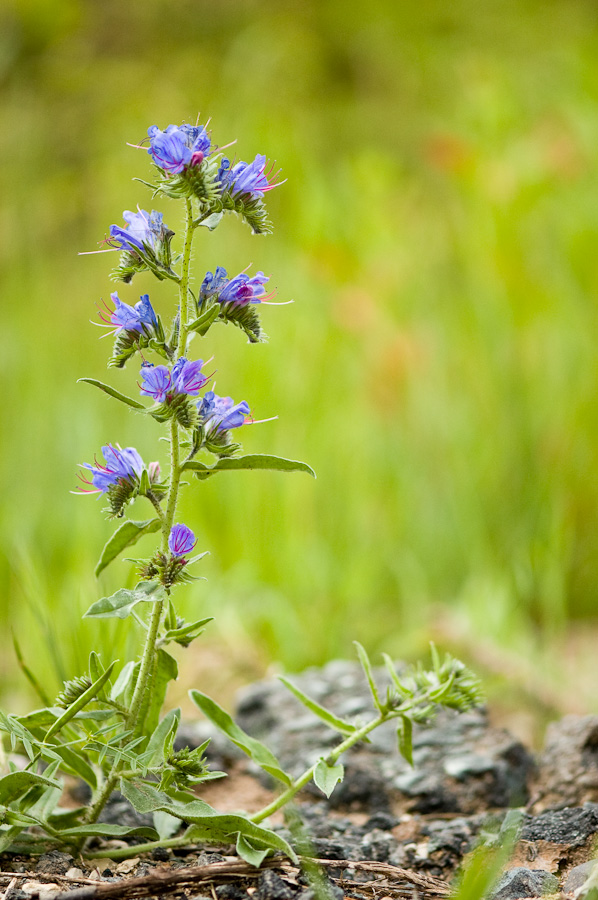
(85, 698)
(16, 784)
(327, 777)
(254, 461)
(250, 853)
(113, 392)
(121, 604)
(333, 721)
(367, 668)
(405, 736)
(203, 322)
(160, 738)
(165, 670)
(258, 752)
(125, 536)
(390, 668)
(125, 683)
(105, 829)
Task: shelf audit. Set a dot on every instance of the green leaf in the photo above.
(135, 404)
(367, 668)
(128, 534)
(75, 764)
(85, 698)
(255, 461)
(104, 829)
(203, 322)
(250, 853)
(258, 752)
(16, 784)
(403, 690)
(29, 674)
(7, 836)
(125, 683)
(209, 825)
(161, 738)
(121, 604)
(165, 670)
(322, 713)
(327, 777)
(166, 825)
(187, 633)
(405, 737)
(212, 221)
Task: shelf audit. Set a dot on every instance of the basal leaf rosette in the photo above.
(122, 477)
(145, 245)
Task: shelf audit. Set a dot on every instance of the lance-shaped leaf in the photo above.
(321, 712)
(165, 670)
(258, 752)
(162, 739)
(254, 461)
(250, 853)
(105, 829)
(129, 401)
(125, 536)
(405, 738)
(367, 668)
(327, 777)
(82, 701)
(121, 604)
(186, 633)
(208, 824)
(203, 322)
(16, 784)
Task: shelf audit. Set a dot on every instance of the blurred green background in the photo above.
(438, 232)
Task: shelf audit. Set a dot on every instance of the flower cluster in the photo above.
(178, 147)
(120, 477)
(164, 384)
(221, 413)
(233, 292)
(134, 327)
(145, 244)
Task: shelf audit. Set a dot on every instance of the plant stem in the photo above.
(331, 758)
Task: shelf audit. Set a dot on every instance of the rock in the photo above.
(562, 826)
(578, 876)
(119, 811)
(54, 863)
(520, 882)
(568, 766)
(461, 763)
(230, 892)
(161, 854)
(270, 886)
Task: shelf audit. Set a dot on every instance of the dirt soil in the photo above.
(388, 831)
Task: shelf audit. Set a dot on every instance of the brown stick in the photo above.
(163, 880)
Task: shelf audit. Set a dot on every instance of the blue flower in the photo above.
(181, 540)
(213, 283)
(178, 147)
(138, 318)
(142, 228)
(120, 465)
(246, 178)
(222, 413)
(156, 381)
(237, 291)
(187, 377)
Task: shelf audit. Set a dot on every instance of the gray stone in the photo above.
(578, 876)
(521, 882)
(562, 826)
(54, 863)
(568, 766)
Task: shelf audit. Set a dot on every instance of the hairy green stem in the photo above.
(135, 715)
(307, 776)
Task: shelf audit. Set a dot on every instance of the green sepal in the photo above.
(125, 536)
(121, 604)
(327, 777)
(258, 752)
(405, 738)
(253, 461)
(85, 698)
(321, 712)
(129, 401)
(367, 668)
